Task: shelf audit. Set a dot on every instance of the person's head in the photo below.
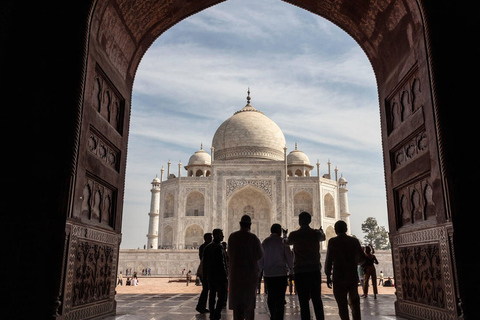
(207, 237)
(340, 227)
(276, 228)
(304, 218)
(217, 235)
(245, 222)
(368, 250)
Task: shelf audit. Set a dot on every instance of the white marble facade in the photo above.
(247, 171)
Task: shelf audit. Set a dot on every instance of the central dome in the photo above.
(248, 134)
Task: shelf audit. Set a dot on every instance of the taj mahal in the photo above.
(248, 171)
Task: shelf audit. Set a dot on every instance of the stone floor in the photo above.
(176, 306)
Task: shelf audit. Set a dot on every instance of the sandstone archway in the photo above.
(84, 93)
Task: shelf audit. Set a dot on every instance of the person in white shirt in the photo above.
(277, 260)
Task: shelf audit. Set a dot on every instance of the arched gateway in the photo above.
(72, 104)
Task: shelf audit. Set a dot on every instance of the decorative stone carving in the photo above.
(409, 151)
(235, 184)
(422, 276)
(415, 203)
(404, 100)
(103, 149)
(89, 286)
(93, 269)
(424, 280)
(107, 100)
(98, 201)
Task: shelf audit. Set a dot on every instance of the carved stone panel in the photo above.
(405, 100)
(91, 273)
(108, 102)
(102, 149)
(98, 202)
(424, 274)
(410, 150)
(414, 203)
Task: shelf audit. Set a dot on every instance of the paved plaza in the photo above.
(161, 300)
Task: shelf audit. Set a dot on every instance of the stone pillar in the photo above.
(343, 199)
(152, 236)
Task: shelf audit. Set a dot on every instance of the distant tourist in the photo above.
(380, 282)
(306, 265)
(369, 271)
(344, 253)
(129, 282)
(388, 282)
(215, 270)
(202, 300)
(120, 279)
(244, 251)
(189, 276)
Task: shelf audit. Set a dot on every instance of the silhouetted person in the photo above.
(215, 270)
(277, 260)
(369, 271)
(344, 253)
(306, 249)
(244, 251)
(202, 300)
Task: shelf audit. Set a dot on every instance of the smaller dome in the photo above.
(297, 157)
(156, 180)
(342, 180)
(200, 158)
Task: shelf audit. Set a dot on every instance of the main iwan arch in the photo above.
(72, 92)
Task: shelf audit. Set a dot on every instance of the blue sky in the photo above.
(304, 73)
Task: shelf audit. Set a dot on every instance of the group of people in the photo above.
(130, 282)
(234, 273)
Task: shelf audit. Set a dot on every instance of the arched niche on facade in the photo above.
(257, 204)
(193, 236)
(195, 204)
(302, 201)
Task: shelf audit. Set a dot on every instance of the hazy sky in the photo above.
(304, 73)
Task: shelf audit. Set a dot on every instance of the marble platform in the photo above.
(174, 306)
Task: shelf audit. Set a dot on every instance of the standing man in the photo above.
(276, 261)
(215, 270)
(344, 253)
(306, 249)
(244, 250)
(202, 300)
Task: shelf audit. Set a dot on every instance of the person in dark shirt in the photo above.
(202, 300)
(306, 266)
(344, 253)
(215, 270)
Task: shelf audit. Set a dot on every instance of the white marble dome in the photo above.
(248, 134)
(201, 157)
(297, 157)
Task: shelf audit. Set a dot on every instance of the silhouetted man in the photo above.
(215, 270)
(202, 300)
(306, 249)
(277, 259)
(344, 253)
(244, 250)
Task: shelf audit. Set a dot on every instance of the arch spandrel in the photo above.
(138, 24)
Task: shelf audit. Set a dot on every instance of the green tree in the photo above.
(375, 235)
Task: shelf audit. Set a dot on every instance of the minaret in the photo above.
(343, 199)
(152, 242)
